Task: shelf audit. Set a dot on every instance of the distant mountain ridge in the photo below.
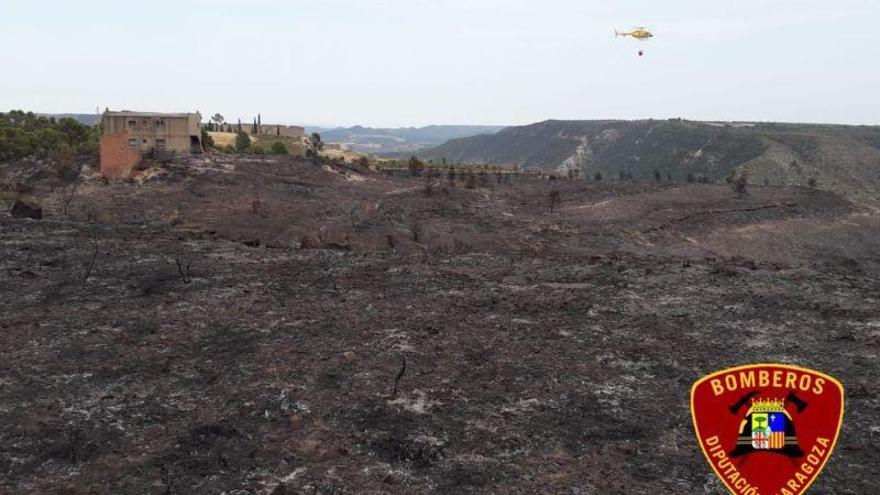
(841, 158)
(400, 140)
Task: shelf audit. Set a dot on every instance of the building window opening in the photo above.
(132, 123)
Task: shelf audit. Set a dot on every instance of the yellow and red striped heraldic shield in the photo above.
(767, 429)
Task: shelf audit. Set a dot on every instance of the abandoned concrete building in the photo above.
(131, 136)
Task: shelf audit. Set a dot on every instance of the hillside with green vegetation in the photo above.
(27, 135)
(845, 159)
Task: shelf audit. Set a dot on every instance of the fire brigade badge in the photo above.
(767, 429)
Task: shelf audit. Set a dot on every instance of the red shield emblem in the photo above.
(767, 428)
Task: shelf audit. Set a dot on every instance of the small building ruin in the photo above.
(129, 137)
(290, 131)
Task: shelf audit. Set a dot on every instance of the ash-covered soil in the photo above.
(234, 325)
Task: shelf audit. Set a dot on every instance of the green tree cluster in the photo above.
(24, 134)
(242, 141)
(278, 148)
(207, 140)
(416, 166)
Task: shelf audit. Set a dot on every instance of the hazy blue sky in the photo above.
(416, 62)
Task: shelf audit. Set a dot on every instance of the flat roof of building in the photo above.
(128, 113)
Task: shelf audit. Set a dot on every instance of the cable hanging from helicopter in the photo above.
(639, 33)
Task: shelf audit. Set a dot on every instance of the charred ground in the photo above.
(236, 325)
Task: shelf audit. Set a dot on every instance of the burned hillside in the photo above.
(236, 324)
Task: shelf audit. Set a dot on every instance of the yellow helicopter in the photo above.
(639, 33)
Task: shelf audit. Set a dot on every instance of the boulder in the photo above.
(26, 209)
(310, 242)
